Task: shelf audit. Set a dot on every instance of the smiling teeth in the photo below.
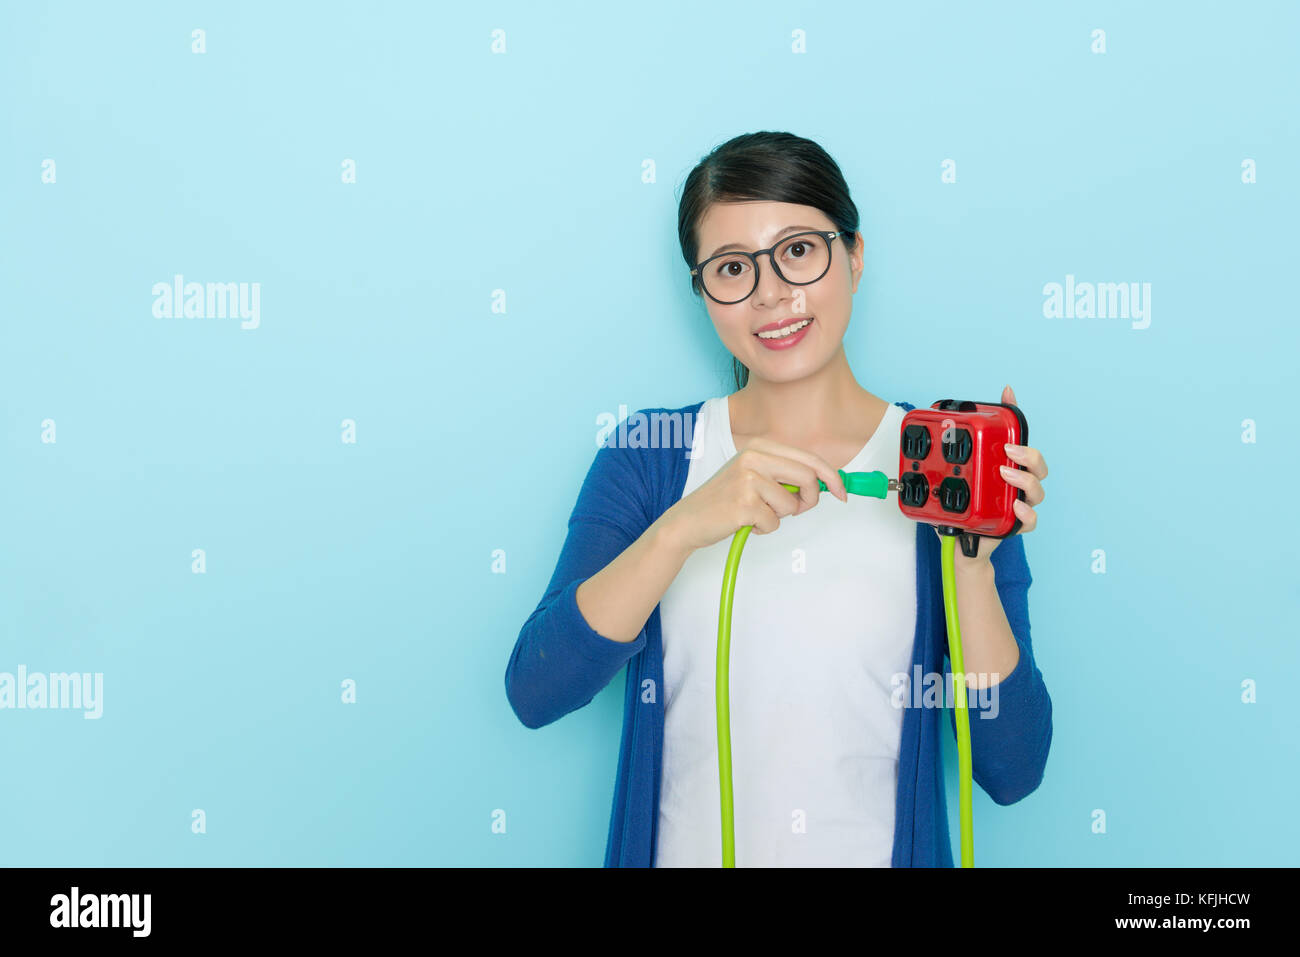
(784, 330)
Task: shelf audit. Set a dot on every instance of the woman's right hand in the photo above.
(747, 491)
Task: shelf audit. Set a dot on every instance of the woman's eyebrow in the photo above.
(723, 249)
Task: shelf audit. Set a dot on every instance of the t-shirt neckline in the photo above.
(729, 442)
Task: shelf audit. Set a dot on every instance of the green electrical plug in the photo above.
(875, 484)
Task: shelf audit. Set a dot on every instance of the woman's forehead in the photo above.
(754, 222)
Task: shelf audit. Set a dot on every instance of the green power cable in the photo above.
(946, 548)
(875, 484)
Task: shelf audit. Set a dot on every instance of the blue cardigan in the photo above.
(559, 664)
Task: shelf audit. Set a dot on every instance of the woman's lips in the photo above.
(789, 340)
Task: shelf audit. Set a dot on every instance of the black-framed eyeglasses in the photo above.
(801, 259)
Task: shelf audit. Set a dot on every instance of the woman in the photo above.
(838, 611)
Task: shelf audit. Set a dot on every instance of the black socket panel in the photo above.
(915, 490)
(954, 494)
(957, 446)
(916, 442)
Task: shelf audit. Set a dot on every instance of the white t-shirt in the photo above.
(824, 617)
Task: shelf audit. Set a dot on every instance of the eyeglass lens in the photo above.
(800, 259)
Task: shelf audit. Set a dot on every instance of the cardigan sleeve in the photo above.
(1009, 746)
(559, 662)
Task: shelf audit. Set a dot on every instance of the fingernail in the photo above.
(1012, 449)
(1006, 469)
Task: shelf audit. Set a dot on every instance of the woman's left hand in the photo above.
(1030, 481)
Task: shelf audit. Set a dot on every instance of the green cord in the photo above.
(856, 483)
(947, 543)
(875, 484)
(723, 697)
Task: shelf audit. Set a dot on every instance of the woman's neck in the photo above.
(824, 409)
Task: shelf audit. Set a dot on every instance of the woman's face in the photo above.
(828, 301)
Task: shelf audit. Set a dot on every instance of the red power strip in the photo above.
(948, 469)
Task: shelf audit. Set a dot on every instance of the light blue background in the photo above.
(522, 172)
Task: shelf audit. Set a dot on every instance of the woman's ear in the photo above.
(856, 261)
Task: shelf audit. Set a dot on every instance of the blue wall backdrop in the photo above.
(183, 512)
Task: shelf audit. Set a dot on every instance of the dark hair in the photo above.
(776, 167)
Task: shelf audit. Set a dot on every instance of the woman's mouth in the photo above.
(785, 336)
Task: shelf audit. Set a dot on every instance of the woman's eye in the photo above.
(731, 268)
